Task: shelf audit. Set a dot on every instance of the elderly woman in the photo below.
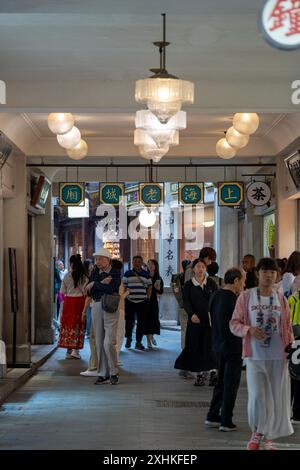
(197, 356)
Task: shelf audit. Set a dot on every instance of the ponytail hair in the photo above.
(77, 269)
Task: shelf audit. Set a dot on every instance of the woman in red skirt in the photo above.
(72, 326)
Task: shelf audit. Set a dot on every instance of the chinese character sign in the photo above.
(71, 194)
(258, 193)
(280, 23)
(111, 193)
(191, 193)
(230, 194)
(151, 194)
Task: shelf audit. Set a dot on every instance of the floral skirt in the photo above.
(72, 327)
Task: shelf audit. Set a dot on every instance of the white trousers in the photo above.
(269, 398)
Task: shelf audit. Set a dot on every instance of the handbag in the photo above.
(110, 302)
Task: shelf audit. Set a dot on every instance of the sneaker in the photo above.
(75, 354)
(128, 343)
(89, 373)
(213, 423)
(114, 379)
(154, 342)
(269, 445)
(213, 379)
(69, 356)
(101, 380)
(254, 443)
(139, 346)
(200, 381)
(228, 427)
(295, 421)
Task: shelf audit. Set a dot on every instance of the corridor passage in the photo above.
(151, 408)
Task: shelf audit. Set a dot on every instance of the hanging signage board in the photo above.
(293, 165)
(280, 23)
(152, 194)
(191, 193)
(111, 193)
(259, 193)
(230, 193)
(72, 194)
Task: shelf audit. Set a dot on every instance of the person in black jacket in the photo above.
(228, 350)
(152, 323)
(197, 355)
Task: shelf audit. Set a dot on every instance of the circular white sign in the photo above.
(258, 193)
(280, 23)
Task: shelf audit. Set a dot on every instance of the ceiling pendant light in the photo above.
(236, 139)
(163, 93)
(147, 218)
(158, 138)
(70, 139)
(246, 123)
(79, 151)
(60, 123)
(224, 150)
(152, 152)
(145, 119)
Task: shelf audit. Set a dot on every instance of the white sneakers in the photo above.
(73, 355)
(89, 373)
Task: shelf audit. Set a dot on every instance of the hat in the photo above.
(103, 252)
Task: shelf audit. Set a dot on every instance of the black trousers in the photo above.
(295, 388)
(225, 392)
(135, 310)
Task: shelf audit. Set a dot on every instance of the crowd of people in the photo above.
(250, 318)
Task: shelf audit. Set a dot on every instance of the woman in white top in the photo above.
(72, 326)
(291, 277)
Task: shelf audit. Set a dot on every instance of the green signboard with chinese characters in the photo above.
(191, 193)
(151, 194)
(230, 193)
(111, 193)
(71, 194)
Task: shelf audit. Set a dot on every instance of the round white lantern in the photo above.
(60, 123)
(79, 151)
(70, 139)
(224, 150)
(246, 123)
(236, 139)
(147, 218)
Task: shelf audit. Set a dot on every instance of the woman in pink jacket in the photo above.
(261, 317)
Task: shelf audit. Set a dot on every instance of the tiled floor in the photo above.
(151, 408)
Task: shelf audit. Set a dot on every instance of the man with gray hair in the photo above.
(105, 280)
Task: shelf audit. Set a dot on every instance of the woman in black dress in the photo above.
(152, 325)
(197, 355)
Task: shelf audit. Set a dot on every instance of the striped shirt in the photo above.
(137, 283)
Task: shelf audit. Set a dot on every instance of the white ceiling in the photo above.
(84, 57)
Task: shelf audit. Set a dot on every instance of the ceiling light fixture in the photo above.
(224, 150)
(79, 151)
(163, 93)
(236, 139)
(70, 139)
(60, 123)
(246, 123)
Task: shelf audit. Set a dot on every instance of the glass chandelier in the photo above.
(160, 138)
(152, 152)
(163, 93)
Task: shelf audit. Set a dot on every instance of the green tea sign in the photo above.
(71, 194)
(151, 194)
(230, 193)
(111, 193)
(191, 193)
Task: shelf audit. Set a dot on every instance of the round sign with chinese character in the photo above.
(258, 193)
(280, 23)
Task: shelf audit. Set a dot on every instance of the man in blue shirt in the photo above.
(138, 283)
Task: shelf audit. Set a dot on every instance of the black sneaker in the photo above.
(101, 380)
(139, 346)
(213, 379)
(114, 379)
(128, 343)
(228, 427)
(200, 381)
